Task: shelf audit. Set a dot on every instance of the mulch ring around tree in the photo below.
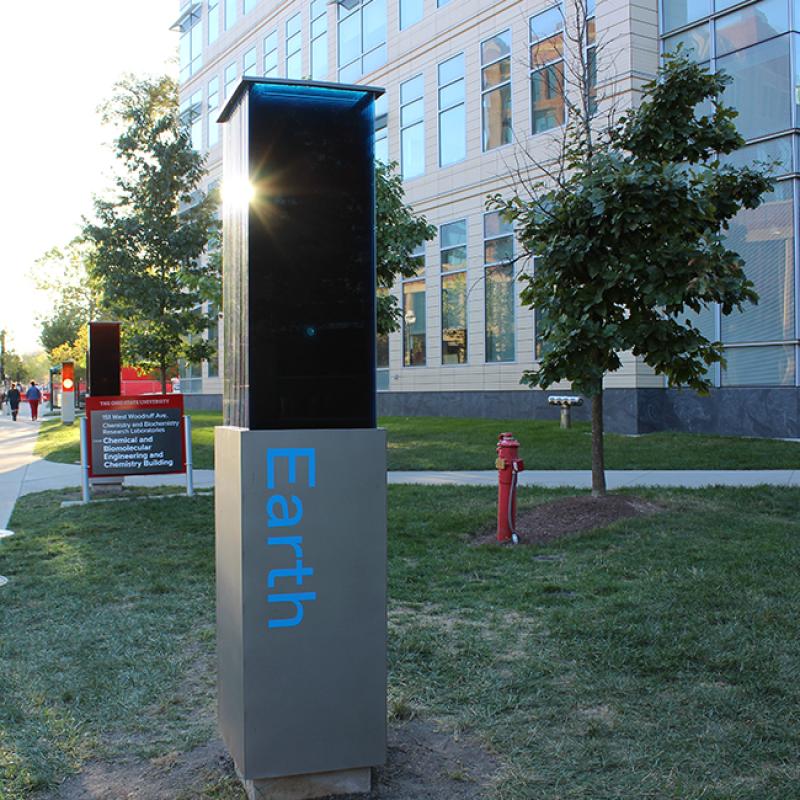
(572, 515)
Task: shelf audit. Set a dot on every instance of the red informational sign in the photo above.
(135, 435)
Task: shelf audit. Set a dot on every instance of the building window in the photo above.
(762, 87)
(440, 3)
(294, 55)
(452, 116)
(213, 21)
(453, 247)
(412, 128)
(271, 55)
(213, 107)
(763, 237)
(678, 13)
(498, 271)
(230, 13)
(547, 70)
(362, 37)
(496, 90)
(410, 12)
(213, 337)
(319, 40)
(414, 313)
(382, 129)
(230, 79)
(382, 353)
(249, 62)
(249, 5)
(191, 112)
(591, 55)
(191, 42)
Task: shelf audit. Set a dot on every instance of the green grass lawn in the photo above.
(657, 658)
(449, 443)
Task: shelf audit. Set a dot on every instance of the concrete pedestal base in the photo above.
(306, 787)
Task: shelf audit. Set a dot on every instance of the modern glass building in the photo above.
(475, 94)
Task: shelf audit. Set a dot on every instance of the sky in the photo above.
(58, 62)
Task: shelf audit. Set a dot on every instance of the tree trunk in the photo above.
(598, 456)
(163, 371)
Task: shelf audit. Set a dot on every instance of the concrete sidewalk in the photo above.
(23, 473)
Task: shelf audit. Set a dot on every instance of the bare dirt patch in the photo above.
(424, 763)
(571, 515)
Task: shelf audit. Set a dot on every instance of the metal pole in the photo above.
(187, 431)
(85, 497)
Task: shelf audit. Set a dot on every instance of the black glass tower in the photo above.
(299, 256)
(104, 359)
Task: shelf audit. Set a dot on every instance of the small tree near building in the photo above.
(399, 232)
(151, 237)
(631, 241)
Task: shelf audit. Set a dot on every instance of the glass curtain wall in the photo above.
(757, 45)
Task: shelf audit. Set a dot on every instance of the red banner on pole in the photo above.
(135, 435)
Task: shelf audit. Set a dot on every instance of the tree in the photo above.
(64, 275)
(631, 241)
(150, 238)
(399, 233)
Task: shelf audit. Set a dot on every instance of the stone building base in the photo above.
(768, 412)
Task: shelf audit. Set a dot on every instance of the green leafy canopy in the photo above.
(632, 240)
(151, 237)
(399, 232)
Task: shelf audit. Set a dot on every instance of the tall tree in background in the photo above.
(64, 274)
(629, 241)
(150, 238)
(399, 233)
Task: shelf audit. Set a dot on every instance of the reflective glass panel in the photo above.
(412, 150)
(497, 117)
(761, 89)
(454, 318)
(751, 25)
(759, 366)
(496, 47)
(451, 70)
(763, 238)
(547, 23)
(497, 73)
(414, 323)
(550, 49)
(678, 13)
(374, 24)
(696, 43)
(452, 135)
(547, 98)
(410, 12)
(777, 152)
(453, 234)
(500, 313)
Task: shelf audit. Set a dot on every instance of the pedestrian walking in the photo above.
(13, 398)
(2, 398)
(33, 396)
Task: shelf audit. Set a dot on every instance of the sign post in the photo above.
(300, 467)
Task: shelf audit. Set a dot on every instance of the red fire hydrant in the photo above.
(508, 466)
